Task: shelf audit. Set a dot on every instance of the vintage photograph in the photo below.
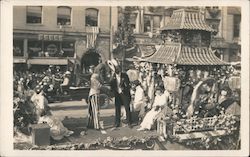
(126, 77)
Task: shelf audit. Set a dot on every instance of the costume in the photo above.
(121, 87)
(57, 130)
(93, 100)
(160, 101)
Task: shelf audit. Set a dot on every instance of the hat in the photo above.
(112, 64)
(67, 72)
(136, 82)
(38, 89)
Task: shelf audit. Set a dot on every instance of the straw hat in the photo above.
(113, 64)
(67, 73)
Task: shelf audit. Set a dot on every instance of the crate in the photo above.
(40, 134)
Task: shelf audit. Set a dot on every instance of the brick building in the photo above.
(57, 34)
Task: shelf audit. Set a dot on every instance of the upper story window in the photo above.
(152, 23)
(63, 15)
(236, 23)
(91, 17)
(34, 14)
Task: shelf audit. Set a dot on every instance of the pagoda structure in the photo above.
(187, 40)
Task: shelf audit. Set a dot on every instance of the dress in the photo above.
(57, 130)
(148, 121)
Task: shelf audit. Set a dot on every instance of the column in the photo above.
(25, 48)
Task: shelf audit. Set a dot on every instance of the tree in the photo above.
(124, 37)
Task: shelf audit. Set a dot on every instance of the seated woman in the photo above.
(57, 130)
(160, 101)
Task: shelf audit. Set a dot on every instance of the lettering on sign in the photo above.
(50, 37)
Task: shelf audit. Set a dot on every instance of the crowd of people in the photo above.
(31, 89)
(146, 93)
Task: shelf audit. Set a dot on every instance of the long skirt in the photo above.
(148, 120)
(93, 112)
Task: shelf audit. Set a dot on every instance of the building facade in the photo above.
(57, 34)
(227, 21)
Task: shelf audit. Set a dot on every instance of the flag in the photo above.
(92, 33)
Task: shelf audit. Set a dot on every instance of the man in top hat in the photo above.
(120, 85)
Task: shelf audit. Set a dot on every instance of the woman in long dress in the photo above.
(57, 129)
(160, 101)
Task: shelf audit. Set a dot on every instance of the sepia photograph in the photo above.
(124, 77)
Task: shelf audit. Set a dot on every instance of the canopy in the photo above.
(187, 19)
(184, 55)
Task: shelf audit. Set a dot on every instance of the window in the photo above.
(147, 23)
(18, 48)
(152, 23)
(67, 49)
(34, 14)
(91, 17)
(63, 15)
(132, 22)
(35, 48)
(237, 19)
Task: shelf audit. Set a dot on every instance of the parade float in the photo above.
(204, 90)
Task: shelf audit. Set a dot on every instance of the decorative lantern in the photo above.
(171, 84)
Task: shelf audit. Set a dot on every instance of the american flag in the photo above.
(92, 33)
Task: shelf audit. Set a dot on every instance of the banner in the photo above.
(92, 33)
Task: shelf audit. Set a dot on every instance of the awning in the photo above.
(48, 61)
(165, 55)
(19, 60)
(184, 55)
(187, 19)
(198, 56)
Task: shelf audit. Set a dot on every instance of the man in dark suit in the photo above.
(120, 85)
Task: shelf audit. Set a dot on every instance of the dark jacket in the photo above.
(125, 84)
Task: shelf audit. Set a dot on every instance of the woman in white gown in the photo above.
(160, 101)
(57, 129)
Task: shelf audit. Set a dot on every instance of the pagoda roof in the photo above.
(184, 55)
(187, 19)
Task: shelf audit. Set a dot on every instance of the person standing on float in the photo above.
(120, 85)
(96, 82)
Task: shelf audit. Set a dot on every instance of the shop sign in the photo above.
(50, 37)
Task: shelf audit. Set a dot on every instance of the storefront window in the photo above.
(18, 48)
(35, 49)
(34, 14)
(63, 15)
(52, 49)
(67, 49)
(91, 17)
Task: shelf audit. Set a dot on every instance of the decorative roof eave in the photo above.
(183, 55)
(166, 54)
(198, 56)
(187, 20)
